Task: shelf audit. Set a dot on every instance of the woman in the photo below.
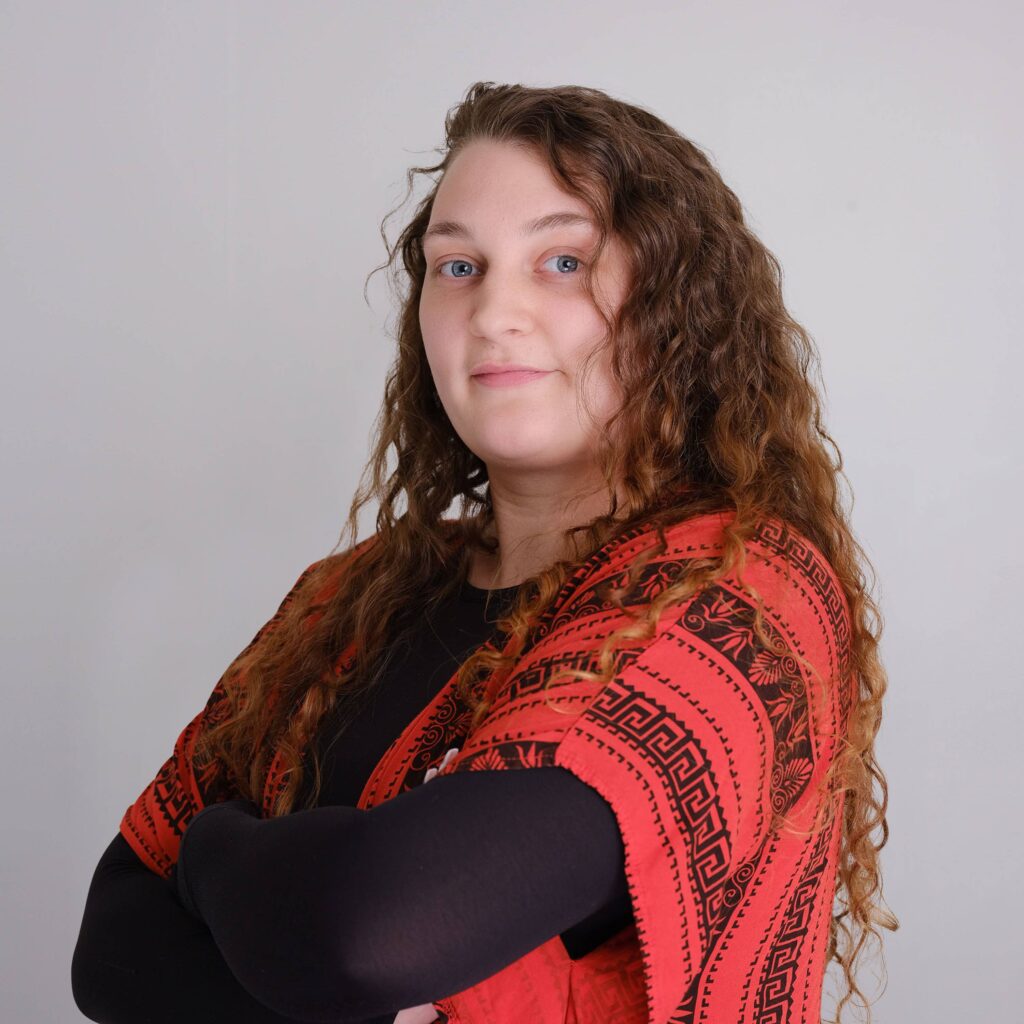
(639, 668)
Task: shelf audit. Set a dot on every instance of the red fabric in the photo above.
(700, 736)
(154, 824)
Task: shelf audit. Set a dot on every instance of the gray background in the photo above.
(191, 200)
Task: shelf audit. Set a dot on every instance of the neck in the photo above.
(531, 536)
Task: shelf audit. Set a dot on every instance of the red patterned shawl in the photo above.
(701, 734)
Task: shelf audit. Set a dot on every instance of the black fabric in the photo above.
(397, 909)
(142, 959)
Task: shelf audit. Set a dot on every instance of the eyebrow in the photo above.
(560, 219)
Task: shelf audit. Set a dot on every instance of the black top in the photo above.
(344, 915)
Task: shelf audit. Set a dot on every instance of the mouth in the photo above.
(509, 378)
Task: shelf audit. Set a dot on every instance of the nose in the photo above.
(501, 304)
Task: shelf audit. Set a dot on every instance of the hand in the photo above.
(423, 1014)
(431, 772)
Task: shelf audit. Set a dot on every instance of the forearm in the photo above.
(335, 911)
(141, 957)
(271, 893)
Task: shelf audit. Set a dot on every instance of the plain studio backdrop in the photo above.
(192, 195)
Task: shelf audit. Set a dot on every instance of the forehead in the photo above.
(495, 187)
(526, 229)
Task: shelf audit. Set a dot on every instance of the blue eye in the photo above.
(457, 265)
(565, 256)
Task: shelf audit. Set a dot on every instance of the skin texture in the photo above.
(497, 295)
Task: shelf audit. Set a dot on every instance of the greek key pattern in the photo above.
(773, 1004)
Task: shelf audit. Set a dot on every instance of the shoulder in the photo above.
(775, 563)
(783, 573)
(771, 538)
(320, 580)
(778, 560)
(707, 698)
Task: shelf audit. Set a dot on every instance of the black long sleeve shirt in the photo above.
(344, 915)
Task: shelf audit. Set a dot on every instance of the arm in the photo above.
(335, 912)
(140, 957)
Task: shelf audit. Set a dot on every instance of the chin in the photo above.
(542, 458)
(513, 441)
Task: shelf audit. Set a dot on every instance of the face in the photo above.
(502, 290)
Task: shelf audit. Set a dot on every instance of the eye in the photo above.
(574, 261)
(460, 267)
(454, 263)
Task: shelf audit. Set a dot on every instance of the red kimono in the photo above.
(701, 735)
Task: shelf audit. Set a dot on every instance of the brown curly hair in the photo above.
(721, 412)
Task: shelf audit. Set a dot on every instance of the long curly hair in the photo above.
(720, 412)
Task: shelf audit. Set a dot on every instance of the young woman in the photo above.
(638, 667)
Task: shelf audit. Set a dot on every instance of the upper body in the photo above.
(657, 471)
(141, 934)
(701, 736)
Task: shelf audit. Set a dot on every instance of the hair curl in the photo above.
(721, 412)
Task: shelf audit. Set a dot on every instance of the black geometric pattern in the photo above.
(774, 997)
(673, 748)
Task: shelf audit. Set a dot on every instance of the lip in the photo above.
(509, 378)
(490, 367)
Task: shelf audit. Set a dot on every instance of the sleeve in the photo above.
(420, 896)
(698, 740)
(140, 957)
(154, 824)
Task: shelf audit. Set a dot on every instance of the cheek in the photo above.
(428, 321)
(443, 366)
(436, 337)
(433, 311)
(602, 394)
